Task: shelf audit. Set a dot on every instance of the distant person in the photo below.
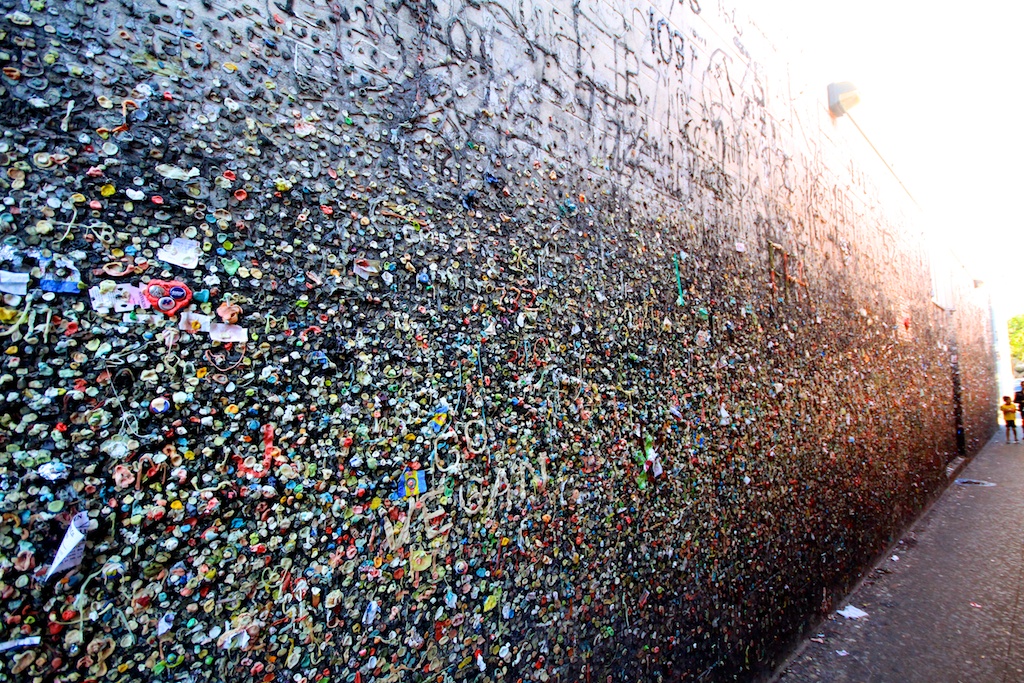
(1018, 398)
(1009, 416)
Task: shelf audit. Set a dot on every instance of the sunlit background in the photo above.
(943, 100)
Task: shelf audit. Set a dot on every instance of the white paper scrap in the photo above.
(194, 322)
(122, 299)
(180, 252)
(851, 612)
(13, 283)
(165, 624)
(222, 332)
(656, 469)
(72, 548)
(175, 173)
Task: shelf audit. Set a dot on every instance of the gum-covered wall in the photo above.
(431, 341)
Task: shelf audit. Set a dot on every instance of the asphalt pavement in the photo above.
(945, 604)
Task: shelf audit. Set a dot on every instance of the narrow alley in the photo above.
(945, 603)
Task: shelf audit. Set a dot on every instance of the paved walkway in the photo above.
(945, 605)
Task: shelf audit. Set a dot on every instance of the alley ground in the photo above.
(945, 605)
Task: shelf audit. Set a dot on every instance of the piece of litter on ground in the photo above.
(974, 604)
(842, 653)
(851, 612)
(895, 558)
(974, 482)
(817, 640)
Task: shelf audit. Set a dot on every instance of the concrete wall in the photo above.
(544, 342)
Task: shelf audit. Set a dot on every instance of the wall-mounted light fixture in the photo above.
(842, 96)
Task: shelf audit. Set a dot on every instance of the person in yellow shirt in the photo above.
(1010, 417)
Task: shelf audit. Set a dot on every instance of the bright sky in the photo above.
(942, 98)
